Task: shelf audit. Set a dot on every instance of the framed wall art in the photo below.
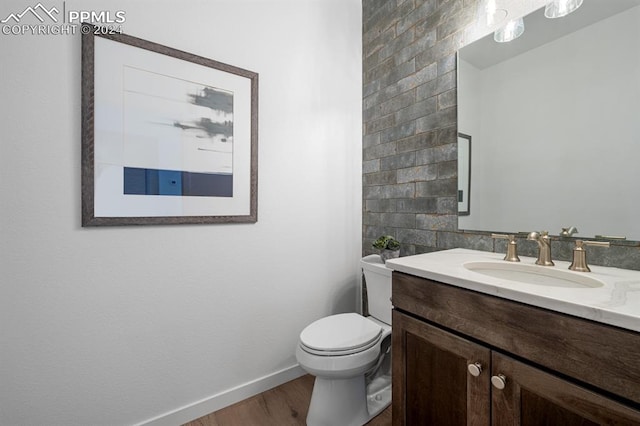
(168, 137)
(464, 174)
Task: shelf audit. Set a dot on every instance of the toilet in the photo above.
(350, 355)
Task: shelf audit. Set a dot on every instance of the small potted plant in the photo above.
(389, 247)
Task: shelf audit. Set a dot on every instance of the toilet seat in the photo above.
(339, 335)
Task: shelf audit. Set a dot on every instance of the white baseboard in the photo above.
(224, 399)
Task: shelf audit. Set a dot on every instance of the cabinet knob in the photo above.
(499, 381)
(475, 369)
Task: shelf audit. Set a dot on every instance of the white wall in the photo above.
(589, 122)
(119, 325)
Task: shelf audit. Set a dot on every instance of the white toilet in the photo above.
(350, 355)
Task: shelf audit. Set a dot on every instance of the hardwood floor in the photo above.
(285, 405)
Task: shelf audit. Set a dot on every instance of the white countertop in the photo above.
(616, 302)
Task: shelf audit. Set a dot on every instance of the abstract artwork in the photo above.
(168, 137)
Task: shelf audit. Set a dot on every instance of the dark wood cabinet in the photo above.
(534, 397)
(436, 388)
(446, 373)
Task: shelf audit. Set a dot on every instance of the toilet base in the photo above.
(338, 402)
(348, 402)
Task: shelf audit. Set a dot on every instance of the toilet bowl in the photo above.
(350, 356)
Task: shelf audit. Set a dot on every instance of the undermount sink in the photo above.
(533, 274)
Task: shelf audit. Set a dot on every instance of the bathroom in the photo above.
(163, 324)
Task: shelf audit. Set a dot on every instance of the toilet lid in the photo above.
(339, 333)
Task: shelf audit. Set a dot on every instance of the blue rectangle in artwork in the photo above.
(169, 181)
(139, 181)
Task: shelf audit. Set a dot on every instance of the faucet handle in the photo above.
(580, 254)
(567, 232)
(512, 247)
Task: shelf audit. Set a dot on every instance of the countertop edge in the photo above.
(561, 305)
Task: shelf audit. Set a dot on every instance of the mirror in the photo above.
(555, 121)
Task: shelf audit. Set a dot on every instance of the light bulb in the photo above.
(560, 8)
(509, 32)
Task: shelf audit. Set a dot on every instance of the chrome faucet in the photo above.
(544, 247)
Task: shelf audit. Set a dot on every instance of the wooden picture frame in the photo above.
(168, 137)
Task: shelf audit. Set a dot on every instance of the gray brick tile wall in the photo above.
(410, 132)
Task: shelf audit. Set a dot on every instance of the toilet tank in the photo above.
(378, 280)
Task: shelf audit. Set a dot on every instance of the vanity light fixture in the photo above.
(493, 14)
(490, 10)
(509, 32)
(560, 8)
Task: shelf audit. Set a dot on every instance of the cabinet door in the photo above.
(531, 397)
(432, 384)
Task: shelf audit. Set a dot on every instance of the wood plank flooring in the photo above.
(285, 405)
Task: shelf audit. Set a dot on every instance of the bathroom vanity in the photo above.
(471, 347)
